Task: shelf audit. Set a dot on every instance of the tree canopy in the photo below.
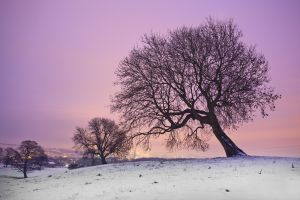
(28, 157)
(190, 80)
(102, 137)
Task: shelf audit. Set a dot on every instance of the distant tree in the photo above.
(90, 153)
(1, 154)
(192, 79)
(102, 137)
(85, 141)
(9, 156)
(26, 158)
(42, 160)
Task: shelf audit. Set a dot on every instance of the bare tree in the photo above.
(26, 158)
(102, 137)
(1, 154)
(41, 160)
(192, 81)
(84, 140)
(9, 156)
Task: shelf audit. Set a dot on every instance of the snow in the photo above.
(216, 178)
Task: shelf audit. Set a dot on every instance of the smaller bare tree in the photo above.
(102, 137)
(41, 160)
(9, 155)
(26, 158)
(1, 154)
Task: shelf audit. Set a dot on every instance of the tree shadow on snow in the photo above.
(12, 177)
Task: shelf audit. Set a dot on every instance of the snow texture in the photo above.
(217, 178)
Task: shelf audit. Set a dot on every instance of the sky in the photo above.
(57, 63)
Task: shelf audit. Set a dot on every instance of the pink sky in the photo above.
(57, 63)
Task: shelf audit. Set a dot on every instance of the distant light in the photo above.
(67, 165)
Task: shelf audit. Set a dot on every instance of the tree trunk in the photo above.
(230, 148)
(103, 160)
(25, 169)
(93, 159)
(25, 174)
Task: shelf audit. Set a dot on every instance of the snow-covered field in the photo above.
(217, 178)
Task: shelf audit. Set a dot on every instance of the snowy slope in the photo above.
(218, 178)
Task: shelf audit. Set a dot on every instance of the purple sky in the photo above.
(57, 63)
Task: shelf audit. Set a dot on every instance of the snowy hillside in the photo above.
(219, 178)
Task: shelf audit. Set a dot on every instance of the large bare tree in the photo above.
(102, 137)
(190, 81)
